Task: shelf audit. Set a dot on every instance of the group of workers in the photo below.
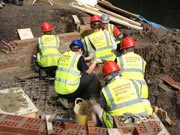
(126, 89)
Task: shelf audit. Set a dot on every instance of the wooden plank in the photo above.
(27, 108)
(76, 19)
(116, 9)
(77, 22)
(49, 125)
(164, 130)
(118, 16)
(25, 33)
(114, 19)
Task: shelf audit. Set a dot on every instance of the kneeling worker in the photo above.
(73, 77)
(119, 96)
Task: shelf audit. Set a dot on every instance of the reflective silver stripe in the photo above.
(42, 45)
(132, 70)
(107, 39)
(90, 45)
(142, 65)
(47, 47)
(47, 55)
(121, 63)
(69, 71)
(142, 82)
(107, 56)
(67, 81)
(111, 27)
(143, 113)
(109, 117)
(121, 105)
(56, 41)
(103, 48)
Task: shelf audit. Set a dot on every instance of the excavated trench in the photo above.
(160, 48)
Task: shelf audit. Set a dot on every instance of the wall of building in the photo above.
(22, 54)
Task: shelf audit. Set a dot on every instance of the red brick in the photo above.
(100, 130)
(169, 80)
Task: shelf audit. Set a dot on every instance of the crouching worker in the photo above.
(47, 51)
(73, 77)
(119, 96)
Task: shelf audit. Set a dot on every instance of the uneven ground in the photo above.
(162, 54)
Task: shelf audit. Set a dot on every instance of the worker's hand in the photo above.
(120, 36)
(91, 57)
(99, 61)
(95, 60)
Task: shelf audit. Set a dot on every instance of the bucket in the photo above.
(81, 119)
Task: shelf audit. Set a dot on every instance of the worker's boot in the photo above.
(52, 95)
(42, 73)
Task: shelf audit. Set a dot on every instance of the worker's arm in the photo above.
(92, 66)
(83, 67)
(114, 45)
(117, 34)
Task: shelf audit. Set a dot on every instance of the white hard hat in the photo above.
(105, 18)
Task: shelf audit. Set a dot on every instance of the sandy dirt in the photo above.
(162, 51)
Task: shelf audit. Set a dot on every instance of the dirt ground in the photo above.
(162, 51)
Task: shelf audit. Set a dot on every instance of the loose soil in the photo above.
(162, 47)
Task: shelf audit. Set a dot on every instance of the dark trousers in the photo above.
(50, 71)
(85, 89)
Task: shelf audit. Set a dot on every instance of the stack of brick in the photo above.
(12, 124)
(151, 127)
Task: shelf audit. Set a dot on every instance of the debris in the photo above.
(163, 114)
(27, 75)
(8, 47)
(112, 18)
(118, 16)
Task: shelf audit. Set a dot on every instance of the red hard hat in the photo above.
(110, 67)
(128, 42)
(46, 27)
(96, 18)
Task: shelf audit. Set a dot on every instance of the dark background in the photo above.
(164, 12)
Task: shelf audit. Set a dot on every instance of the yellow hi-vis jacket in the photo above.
(110, 30)
(122, 96)
(49, 54)
(67, 74)
(133, 67)
(102, 43)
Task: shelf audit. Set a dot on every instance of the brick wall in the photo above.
(22, 54)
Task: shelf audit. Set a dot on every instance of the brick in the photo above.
(169, 80)
(141, 129)
(155, 126)
(176, 85)
(68, 125)
(126, 128)
(100, 130)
